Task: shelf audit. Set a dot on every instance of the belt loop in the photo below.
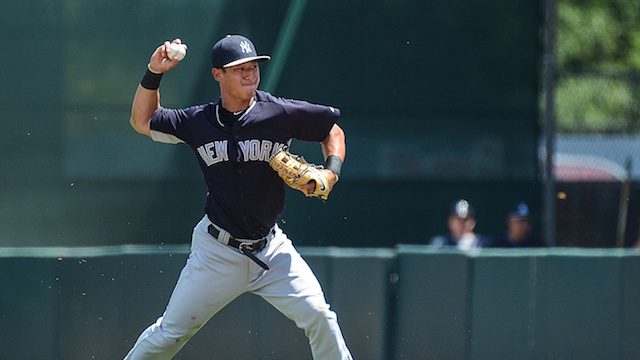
(224, 237)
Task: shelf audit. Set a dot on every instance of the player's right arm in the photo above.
(147, 101)
(145, 104)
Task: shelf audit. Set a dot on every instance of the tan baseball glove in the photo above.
(296, 171)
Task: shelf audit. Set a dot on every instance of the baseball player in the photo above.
(237, 247)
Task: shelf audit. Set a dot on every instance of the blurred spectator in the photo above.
(519, 230)
(461, 223)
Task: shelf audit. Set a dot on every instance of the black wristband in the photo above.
(334, 163)
(151, 80)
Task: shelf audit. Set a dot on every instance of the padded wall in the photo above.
(412, 302)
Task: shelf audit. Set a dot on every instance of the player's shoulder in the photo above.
(190, 110)
(266, 97)
(199, 113)
(188, 117)
(295, 106)
(272, 104)
(201, 109)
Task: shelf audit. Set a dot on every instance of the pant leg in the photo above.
(293, 289)
(213, 276)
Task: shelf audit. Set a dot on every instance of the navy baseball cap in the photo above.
(234, 50)
(521, 211)
(462, 209)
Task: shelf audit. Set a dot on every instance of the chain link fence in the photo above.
(597, 158)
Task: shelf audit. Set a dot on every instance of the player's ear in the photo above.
(216, 73)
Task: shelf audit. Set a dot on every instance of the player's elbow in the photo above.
(335, 143)
(337, 133)
(139, 125)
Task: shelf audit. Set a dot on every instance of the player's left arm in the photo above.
(334, 150)
(334, 143)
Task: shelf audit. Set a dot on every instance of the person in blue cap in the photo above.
(519, 232)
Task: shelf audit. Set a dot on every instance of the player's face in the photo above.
(239, 82)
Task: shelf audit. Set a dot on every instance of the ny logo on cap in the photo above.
(246, 48)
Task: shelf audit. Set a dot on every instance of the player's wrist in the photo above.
(334, 164)
(151, 79)
(153, 71)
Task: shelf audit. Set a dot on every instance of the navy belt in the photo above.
(247, 247)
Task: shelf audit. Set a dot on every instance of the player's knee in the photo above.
(318, 320)
(171, 336)
(174, 339)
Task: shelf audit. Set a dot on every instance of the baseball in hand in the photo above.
(179, 50)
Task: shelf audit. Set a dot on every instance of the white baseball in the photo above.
(179, 50)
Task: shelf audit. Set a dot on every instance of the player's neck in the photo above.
(235, 105)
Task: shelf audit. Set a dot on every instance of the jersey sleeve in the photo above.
(312, 122)
(168, 126)
(308, 122)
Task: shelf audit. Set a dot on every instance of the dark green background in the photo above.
(439, 101)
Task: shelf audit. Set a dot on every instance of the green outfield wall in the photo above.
(409, 302)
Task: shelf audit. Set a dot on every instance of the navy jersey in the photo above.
(245, 195)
